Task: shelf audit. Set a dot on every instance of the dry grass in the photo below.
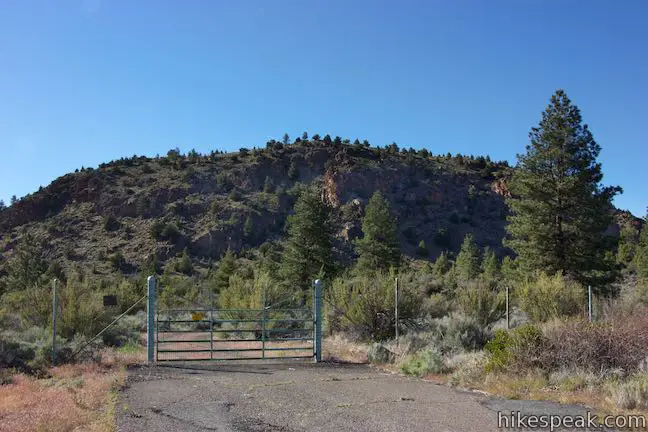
(339, 348)
(76, 396)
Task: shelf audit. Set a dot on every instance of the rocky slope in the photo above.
(207, 203)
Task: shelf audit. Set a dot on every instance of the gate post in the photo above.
(317, 310)
(150, 320)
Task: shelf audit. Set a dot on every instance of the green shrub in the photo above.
(364, 304)
(545, 297)
(422, 363)
(111, 223)
(518, 349)
(482, 301)
(498, 349)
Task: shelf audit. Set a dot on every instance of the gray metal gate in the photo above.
(205, 334)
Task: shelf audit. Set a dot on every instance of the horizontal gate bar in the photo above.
(238, 350)
(237, 358)
(216, 321)
(233, 340)
(235, 350)
(238, 330)
(234, 310)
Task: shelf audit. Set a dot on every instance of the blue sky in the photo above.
(87, 81)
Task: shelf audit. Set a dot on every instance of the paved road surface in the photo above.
(304, 397)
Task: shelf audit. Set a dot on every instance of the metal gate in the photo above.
(205, 334)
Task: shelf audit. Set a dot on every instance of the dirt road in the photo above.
(304, 397)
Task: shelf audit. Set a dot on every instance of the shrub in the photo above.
(364, 304)
(422, 363)
(630, 394)
(110, 223)
(480, 300)
(117, 260)
(518, 349)
(545, 297)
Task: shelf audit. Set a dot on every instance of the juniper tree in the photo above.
(559, 209)
(307, 254)
(226, 268)
(467, 263)
(378, 249)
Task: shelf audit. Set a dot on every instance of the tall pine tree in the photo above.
(308, 251)
(378, 249)
(467, 264)
(559, 208)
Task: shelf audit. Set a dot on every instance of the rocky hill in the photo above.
(140, 207)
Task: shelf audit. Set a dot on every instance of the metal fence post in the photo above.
(150, 319)
(589, 301)
(54, 313)
(317, 337)
(508, 319)
(396, 309)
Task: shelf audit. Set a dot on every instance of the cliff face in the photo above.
(242, 200)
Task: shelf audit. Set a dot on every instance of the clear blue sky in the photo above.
(84, 82)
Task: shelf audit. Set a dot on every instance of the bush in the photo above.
(630, 394)
(480, 300)
(111, 223)
(422, 363)
(519, 349)
(545, 297)
(364, 305)
(117, 260)
(125, 331)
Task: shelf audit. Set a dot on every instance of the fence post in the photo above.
(317, 337)
(589, 302)
(396, 309)
(150, 320)
(54, 313)
(508, 320)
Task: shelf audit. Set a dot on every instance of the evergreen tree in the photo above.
(184, 265)
(268, 185)
(559, 208)
(641, 255)
(422, 250)
(490, 265)
(226, 268)
(14, 200)
(247, 227)
(286, 139)
(27, 265)
(2, 205)
(441, 266)
(308, 248)
(304, 136)
(467, 263)
(628, 241)
(378, 249)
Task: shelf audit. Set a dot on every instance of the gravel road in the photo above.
(305, 397)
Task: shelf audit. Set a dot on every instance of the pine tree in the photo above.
(628, 241)
(2, 205)
(247, 227)
(467, 262)
(226, 268)
(490, 266)
(441, 266)
(184, 265)
(27, 265)
(13, 200)
(268, 185)
(378, 249)
(559, 208)
(640, 260)
(307, 253)
(286, 139)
